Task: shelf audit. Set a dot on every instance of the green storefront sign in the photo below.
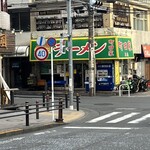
(111, 47)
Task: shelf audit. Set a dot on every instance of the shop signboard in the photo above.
(117, 72)
(106, 48)
(7, 42)
(125, 48)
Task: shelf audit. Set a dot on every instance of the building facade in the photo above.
(124, 29)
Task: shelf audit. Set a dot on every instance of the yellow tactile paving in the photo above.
(68, 117)
(9, 131)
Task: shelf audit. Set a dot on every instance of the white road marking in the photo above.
(40, 133)
(125, 108)
(100, 128)
(140, 119)
(11, 140)
(103, 117)
(123, 117)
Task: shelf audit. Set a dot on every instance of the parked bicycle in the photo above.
(141, 83)
(136, 84)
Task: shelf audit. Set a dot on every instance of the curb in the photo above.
(17, 131)
(26, 129)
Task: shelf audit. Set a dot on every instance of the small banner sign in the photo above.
(7, 42)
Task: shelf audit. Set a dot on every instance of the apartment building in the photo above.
(121, 41)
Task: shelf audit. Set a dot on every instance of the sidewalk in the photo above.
(17, 125)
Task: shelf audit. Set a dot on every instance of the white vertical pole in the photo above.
(52, 83)
(71, 79)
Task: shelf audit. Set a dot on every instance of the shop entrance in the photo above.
(78, 76)
(20, 72)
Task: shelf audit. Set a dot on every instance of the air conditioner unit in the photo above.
(4, 20)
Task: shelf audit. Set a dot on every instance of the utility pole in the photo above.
(93, 5)
(91, 51)
(71, 79)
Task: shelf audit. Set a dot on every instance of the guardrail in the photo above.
(27, 109)
(45, 104)
(122, 90)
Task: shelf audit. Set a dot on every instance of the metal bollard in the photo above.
(47, 101)
(66, 99)
(60, 111)
(77, 101)
(27, 113)
(43, 96)
(12, 97)
(37, 110)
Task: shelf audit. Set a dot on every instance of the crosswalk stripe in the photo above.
(140, 119)
(123, 117)
(103, 117)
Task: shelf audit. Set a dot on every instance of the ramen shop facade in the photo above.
(113, 60)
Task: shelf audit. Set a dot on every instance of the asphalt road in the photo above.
(110, 123)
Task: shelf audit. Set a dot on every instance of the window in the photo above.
(140, 20)
(49, 24)
(20, 21)
(121, 16)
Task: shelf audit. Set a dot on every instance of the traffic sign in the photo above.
(51, 41)
(62, 45)
(41, 41)
(41, 53)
